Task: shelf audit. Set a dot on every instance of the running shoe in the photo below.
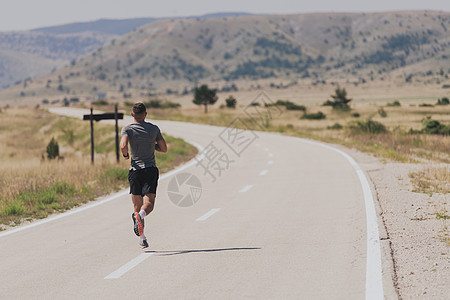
(138, 225)
(143, 243)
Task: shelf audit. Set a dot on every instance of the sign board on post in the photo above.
(106, 116)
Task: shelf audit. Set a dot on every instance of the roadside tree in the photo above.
(340, 100)
(205, 96)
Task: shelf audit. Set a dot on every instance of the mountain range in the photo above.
(30, 54)
(174, 55)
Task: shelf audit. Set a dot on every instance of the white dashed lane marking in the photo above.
(128, 266)
(208, 214)
(270, 162)
(246, 188)
(263, 172)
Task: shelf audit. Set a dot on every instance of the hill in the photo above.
(30, 54)
(118, 27)
(174, 55)
(114, 27)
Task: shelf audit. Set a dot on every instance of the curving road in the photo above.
(275, 218)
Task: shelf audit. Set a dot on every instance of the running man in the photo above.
(144, 139)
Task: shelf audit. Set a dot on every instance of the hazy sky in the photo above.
(29, 14)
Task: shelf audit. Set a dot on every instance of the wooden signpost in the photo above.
(106, 116)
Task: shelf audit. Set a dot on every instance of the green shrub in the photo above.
(52, 149)
(13, 209)
(356, 115)
(290, 105)
(293, 106)
(63, 188)
(156, 103)
(394, 104)
(425, 105)
(231, 102)
(335, 126)
(382, 112)
(153, 104)
(430, 126)
(368, 126)
(100, 102)
(314, 116)
(340, 100)
(443, 101)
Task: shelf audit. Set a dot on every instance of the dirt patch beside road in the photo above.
(416, 225)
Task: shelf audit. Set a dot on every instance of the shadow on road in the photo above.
(177, 252)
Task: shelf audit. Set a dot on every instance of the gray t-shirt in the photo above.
(142, 137)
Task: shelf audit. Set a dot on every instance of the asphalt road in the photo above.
(273, 218)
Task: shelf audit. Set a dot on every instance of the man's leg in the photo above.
(137, 220)
(137, 202)
(149, 203)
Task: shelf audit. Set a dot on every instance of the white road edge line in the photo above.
(263, 172)
(246, 188)
(115, 196)
(208, 214)
(128, 266)
(374, 280)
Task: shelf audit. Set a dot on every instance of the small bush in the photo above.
(314, 116)
(290, 105)
(13, 209)
(382, 112)
(425, 105)
(368, 126)
(356, 115)
(430, 126)
(231, 102)
(340, 100)
(100, 102)
(293, 106)
(443, 101)
(153, 104)
(52, 149)
(161, 104)
(63, 188)
(394, 104)
(336, 126)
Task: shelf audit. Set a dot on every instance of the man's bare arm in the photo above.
(161, 145)
(124, 146)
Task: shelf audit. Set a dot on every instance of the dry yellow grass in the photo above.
(431, 180)
(32, 186)
(397, 144)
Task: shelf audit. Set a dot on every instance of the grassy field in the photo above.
(33, 186)
(404, 139)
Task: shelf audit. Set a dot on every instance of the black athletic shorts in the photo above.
(144, 181)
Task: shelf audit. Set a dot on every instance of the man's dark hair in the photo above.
(139, 108)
